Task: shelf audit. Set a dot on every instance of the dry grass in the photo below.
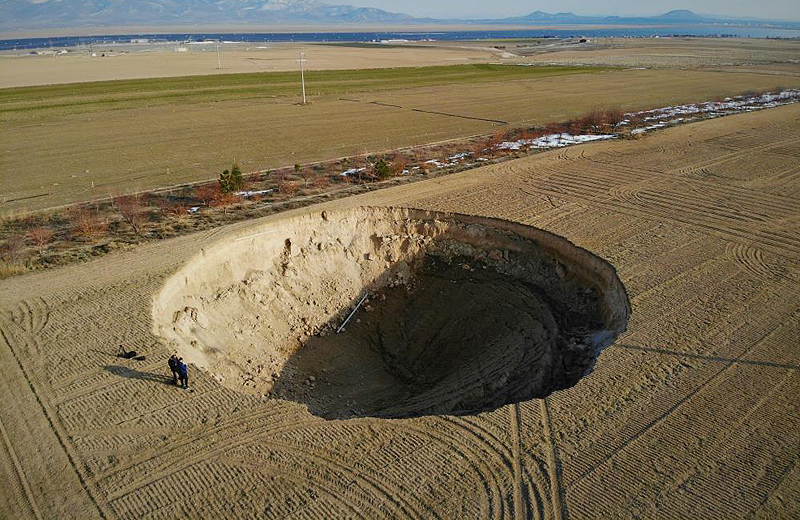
(121, 150)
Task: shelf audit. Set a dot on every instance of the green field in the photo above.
(29, 102)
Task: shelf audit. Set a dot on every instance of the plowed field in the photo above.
(692, 413)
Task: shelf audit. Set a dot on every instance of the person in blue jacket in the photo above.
(183, 373)
(173, 366)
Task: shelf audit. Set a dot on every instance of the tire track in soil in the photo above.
(776, 203)
(487, 475)
(193, 455)
(169, 464)
(751, 259)
(269, 468)
(519, 510)
(782, 247)
(556, 492)
(695, 213)
(438, 438)
(182, 447)
(751, 408)
(535, 492)
(29, 497)
(407, 506)
(740, 153)
(654, 423)
(104, 510)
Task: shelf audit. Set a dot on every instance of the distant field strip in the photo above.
(107, 95)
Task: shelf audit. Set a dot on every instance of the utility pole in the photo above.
(302, 61)
(219, 57)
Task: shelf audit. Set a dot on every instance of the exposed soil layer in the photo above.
(459, 314)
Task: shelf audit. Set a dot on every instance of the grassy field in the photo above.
(69, 144)
(17, 104)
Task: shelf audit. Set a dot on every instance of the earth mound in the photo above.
(389, 312)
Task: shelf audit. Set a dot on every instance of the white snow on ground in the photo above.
(251, 193)
(552, 141)
(441, 164)
(458, 156)
(544, 142)
(351, 171)
(713, 108)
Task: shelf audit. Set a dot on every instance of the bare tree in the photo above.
(11, 249)
(130, 209)
(308, 175)
(206, 193)
(40, 236)
(399, 163)
(88, 223)
(225, 201)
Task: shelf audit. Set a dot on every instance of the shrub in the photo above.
(614, 116)
(399, 164)
(130, 209)
(231, 181)
(529, 134)
(206, 193)
(480, 148)
(11, 249)
(497, 138)
(382, 170)
(168, 209)
(321, 181)
(7, 270)
(288, 187)
(40, 236)
(307, 176)
(88, 223)
(225, 201)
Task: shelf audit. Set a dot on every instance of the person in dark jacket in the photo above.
(183, 373)
(173, 365)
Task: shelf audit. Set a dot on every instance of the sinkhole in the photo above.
(393, 312)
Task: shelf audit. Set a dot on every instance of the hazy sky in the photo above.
(772, 9)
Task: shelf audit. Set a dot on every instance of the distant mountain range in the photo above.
(678, 16)
(40, 14)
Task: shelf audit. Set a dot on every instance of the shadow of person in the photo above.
(136, 374)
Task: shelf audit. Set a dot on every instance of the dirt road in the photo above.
(691, 414)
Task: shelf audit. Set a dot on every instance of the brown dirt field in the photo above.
(689, 414)
(202, 60)
(70, 158)
(671, 53)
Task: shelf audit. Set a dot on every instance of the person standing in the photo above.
(173, 365)
(183, 373)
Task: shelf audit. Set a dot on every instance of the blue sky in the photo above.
(771, 9)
